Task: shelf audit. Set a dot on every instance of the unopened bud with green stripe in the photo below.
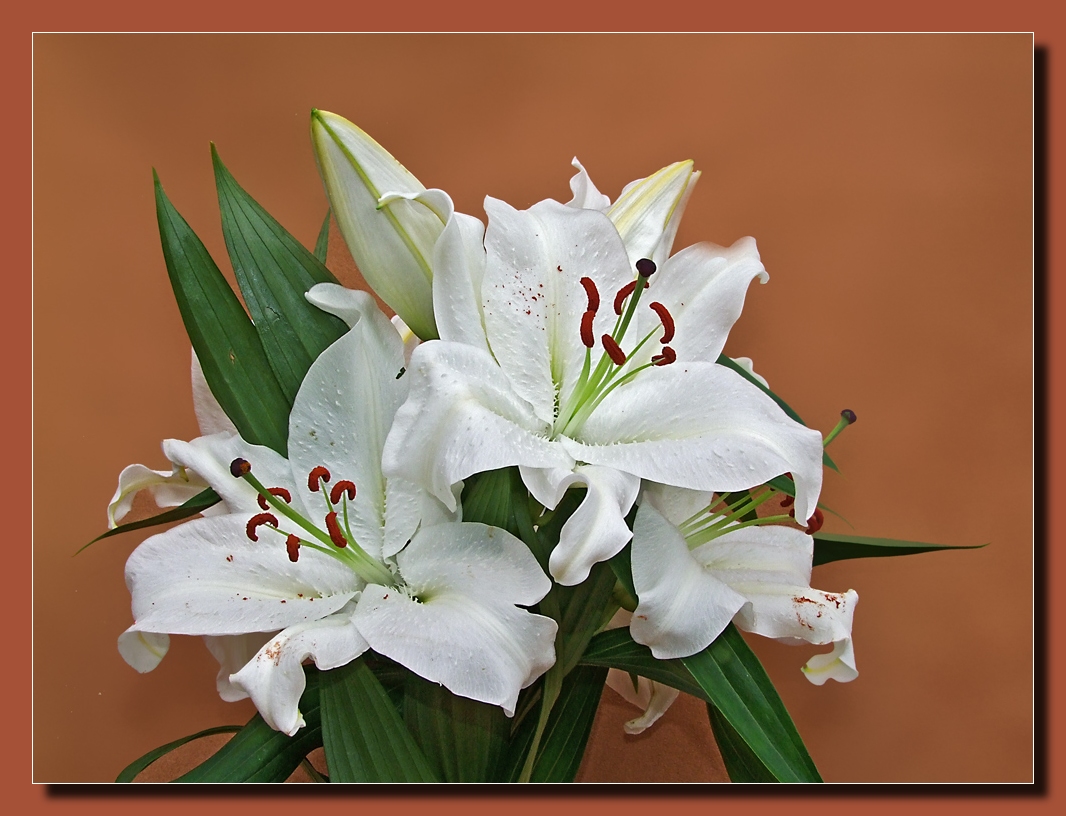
(648, 211)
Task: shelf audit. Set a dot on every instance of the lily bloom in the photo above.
(320, 556)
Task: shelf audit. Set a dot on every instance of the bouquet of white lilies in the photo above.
(427, 542)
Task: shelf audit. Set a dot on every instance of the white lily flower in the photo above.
(538, 373)
(389, 220)
(332, 568)
(695, 570)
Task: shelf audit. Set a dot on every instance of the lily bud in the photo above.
(648, 211)
(387, 217)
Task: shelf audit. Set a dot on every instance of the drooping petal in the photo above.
(143, 650)
(233, 653)
(341, 415)
(392, 243)
(703, 287)
(597, 529)
(682, 606)
(532, 295)
(652, 698)
(586, 196)
(209, 414)
(274, 678)
(458, 272)
(838, 664)
(648, 211)
(205, 577)
(456, 622)
(167, 489)
(704, 427)
(462, 417)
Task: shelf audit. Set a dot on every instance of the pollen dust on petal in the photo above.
(273, 652)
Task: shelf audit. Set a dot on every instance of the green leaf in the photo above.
(274, 272)
(197, 504)
(364, 736)
(461, 738)
(258, 753)
(322, 244)
(234, 363)
(733, 365)
(728, 675)
(830, 547)
(130, 771)
(741, 763)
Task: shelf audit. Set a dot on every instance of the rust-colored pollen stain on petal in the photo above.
(592, 292)
(280, 492)
(316, 474)
(343, 486)
(292, 546)
(666, 319)
(256, 520)
(334, 529)
(587, 337)
(614, 351)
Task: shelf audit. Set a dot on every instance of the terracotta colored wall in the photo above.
(887, 180)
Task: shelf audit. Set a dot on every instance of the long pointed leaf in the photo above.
(274, 272)
(322, 243)
(129, 773)
(197, 504)
(830, 547)
(234, 363)
(364, 736)
(570, 725)
(741, 763)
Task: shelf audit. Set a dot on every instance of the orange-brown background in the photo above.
(887, 179)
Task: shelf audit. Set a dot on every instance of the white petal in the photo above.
(460, 418)
(458, 272)
(340, 418)
(838, 665)
(586, 196)
(653, 698)
(703, 287)
(407, 337)
(205, 577)
(532, 295)
(233, 653)
(274, 678)
(143, 650)
(456, 622)
(704, 427)
(340, 301)
(209, 414)
(675, 504)
(760, 556)
(747, 364)
(167, 489)
(648, 211)
(682, 607)
(597, 529)
(406, 507)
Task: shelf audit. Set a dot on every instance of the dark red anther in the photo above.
(666, 319)
(256, 520)
(587, 337)
(614, 351)
(787, 501)
(239, 467)
(646, 267)
(334, 529)
(667, 356)
(280, 492)
(292, 546)
(592, 293)
(313, 477)
(623, 293)
(343, 486)
(816, 522)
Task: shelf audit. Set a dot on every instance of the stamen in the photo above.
(646, 267)
(256, 520)
(341, 487)
(334, 529)
(592, 293)
(280, 492)
(787, 501)
(292, 546)
(623, 293)
(614, 351)
(668, 356)
(816, 522)
(587, 336)
(313, 477)
(666, 319)
(240, 467)
(847, 417)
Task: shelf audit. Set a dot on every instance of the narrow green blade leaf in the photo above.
(569, 726)
(830, 547)
(258, 753)
(616, 649)
(234, 363)
(129, 773)
(461, 738)
(197, 504)
(732, 364)
(581, 612)
(274, 272)
(364, 736)
(322, 244)
(741, 763)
